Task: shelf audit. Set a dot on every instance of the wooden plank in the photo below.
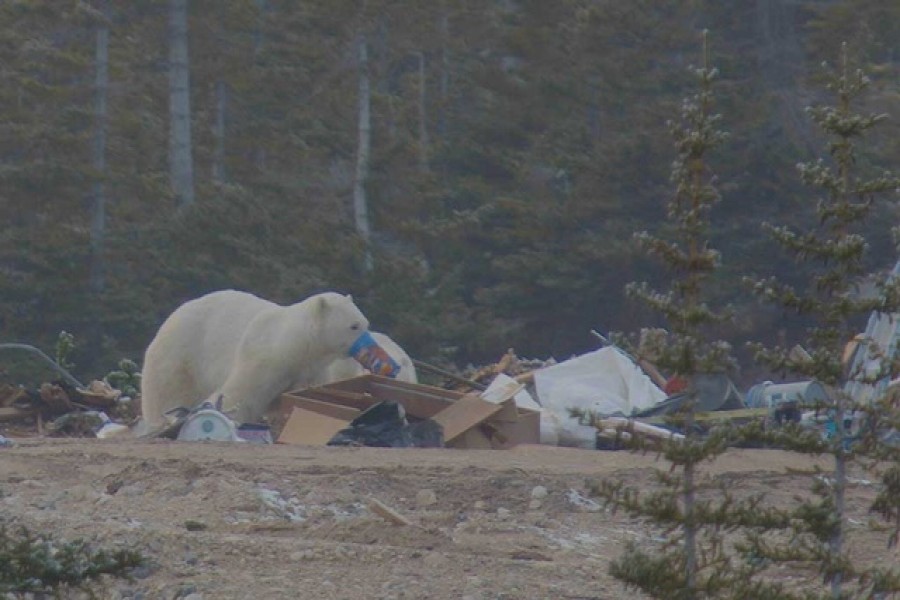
(10, 394)
(718, 415)
(365, 391)
(11, 413)
(344, 398)
(465, 413)
(430, 390)
(420, 404)
(387, 513)
(329, 409)
(367, 383)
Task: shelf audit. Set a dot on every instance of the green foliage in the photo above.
(65, 344)
(837, 246)
(542, 157)
(127, 378)
(693, 563)
(31, 562)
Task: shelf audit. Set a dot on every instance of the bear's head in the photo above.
(340, 322)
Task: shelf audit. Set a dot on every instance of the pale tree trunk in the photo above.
(181, 168)
(384, 81)
(97, 281)
(836, 543)
(360, 204)
(218, 166)
(423, 117)
(445, 70)
(262, 6)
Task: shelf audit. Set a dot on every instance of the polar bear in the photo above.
(345, 367)
(244, 349)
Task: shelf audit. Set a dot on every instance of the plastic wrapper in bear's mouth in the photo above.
(373, 357)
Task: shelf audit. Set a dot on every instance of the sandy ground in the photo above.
(284, 522)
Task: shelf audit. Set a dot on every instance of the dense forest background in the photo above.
(472, 171)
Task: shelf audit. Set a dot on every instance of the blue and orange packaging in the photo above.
(373, 357)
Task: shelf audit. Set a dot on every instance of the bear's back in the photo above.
(203, 334)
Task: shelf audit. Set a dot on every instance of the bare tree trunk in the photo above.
(836, 543)
(181, 168)
(384, 77)
(218, 166)
(445, 70)
(260, 157)
(97, 281)
(262, 7)
(360, 205)
(423, 117)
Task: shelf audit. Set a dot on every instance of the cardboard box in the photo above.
(309, 428)
(469, 421)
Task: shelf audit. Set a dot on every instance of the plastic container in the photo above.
(208, 424)
(373, 357)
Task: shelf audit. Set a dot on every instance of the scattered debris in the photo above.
(206, 422)
(425, 498)
(520, 369)
(539, 492)
(385, 425)
(11, 395)
(314, 416)
(78, 424)
(577, 499)
(56, 398)
(99, 394)
(387, 513)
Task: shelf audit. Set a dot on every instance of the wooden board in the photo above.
(329, 409)
(718, 415)
(12, 413)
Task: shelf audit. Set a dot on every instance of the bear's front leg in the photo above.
(249, 390)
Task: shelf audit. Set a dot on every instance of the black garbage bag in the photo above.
(384, 425)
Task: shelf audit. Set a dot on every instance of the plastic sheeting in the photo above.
(604, 381)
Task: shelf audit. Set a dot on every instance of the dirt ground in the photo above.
(220, 521)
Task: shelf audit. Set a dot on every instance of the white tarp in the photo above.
(604, 381)
(879, 344)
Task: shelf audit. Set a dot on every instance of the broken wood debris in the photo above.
(387, 513)
(520, 369)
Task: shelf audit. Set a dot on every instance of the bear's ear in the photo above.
(349, 297)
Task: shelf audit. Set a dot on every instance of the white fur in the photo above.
(245, 349)
(345, 368)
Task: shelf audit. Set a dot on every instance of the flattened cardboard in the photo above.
(309, 428)
(465, 413)
(473, 438)
(527, 430)
(468, 420)
(508, 413)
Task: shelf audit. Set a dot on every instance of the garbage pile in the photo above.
(496, 406)
(60, 408)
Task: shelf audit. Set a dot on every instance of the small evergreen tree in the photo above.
(836, 248)
(695, 561)
(37, 563)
